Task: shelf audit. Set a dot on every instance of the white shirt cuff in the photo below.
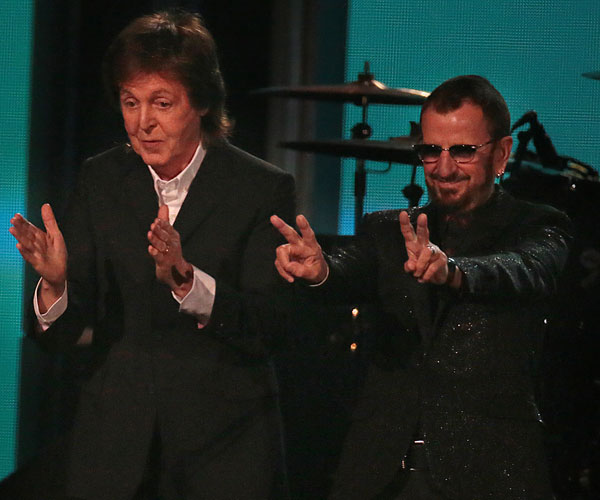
(323, 280)
(200, 299)
(54, 312)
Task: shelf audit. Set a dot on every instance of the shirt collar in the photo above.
(184, 179)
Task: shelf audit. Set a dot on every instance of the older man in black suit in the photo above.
(157, 229)
(448, 408)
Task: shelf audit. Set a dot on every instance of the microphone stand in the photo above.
(524, 137)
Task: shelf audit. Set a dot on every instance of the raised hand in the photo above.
(426, 261)
(165, 248)
(45, 251)
(301, 257)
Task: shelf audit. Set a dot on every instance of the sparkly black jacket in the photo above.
(459, 367)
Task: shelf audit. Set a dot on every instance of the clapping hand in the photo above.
(45, 251)
(165, 248)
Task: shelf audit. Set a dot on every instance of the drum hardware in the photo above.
(594, 75)
(413, 192)
(362, 92)
(395, 150)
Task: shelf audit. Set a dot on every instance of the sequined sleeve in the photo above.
(529, 262)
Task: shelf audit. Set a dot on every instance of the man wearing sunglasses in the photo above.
(447, 409)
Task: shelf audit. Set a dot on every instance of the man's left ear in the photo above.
(502, 154)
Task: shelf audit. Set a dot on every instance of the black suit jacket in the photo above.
(458, 367)
(208, 395)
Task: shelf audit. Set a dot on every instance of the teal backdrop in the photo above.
(533, 51)
(16, 17)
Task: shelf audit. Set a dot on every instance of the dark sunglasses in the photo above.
(460, 153)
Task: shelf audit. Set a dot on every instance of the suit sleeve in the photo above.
(258, 309)
(257, 265)
(530, 262)
(81, 273)
(353, 269)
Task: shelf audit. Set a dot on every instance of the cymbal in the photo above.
(372, 90)
(396, 150)
(594, 75)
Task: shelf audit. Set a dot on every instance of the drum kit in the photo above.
(366, 91)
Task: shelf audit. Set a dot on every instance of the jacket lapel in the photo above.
(206, 193)
(422, 293)
(488, 225)
(424, 310)
(138, 192)
(135, 208)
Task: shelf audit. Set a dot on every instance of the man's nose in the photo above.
(147, 118)
(445, 165)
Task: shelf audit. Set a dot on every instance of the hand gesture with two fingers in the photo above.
(301, 257)
(426, 261)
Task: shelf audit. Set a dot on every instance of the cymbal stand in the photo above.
(361, 130)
